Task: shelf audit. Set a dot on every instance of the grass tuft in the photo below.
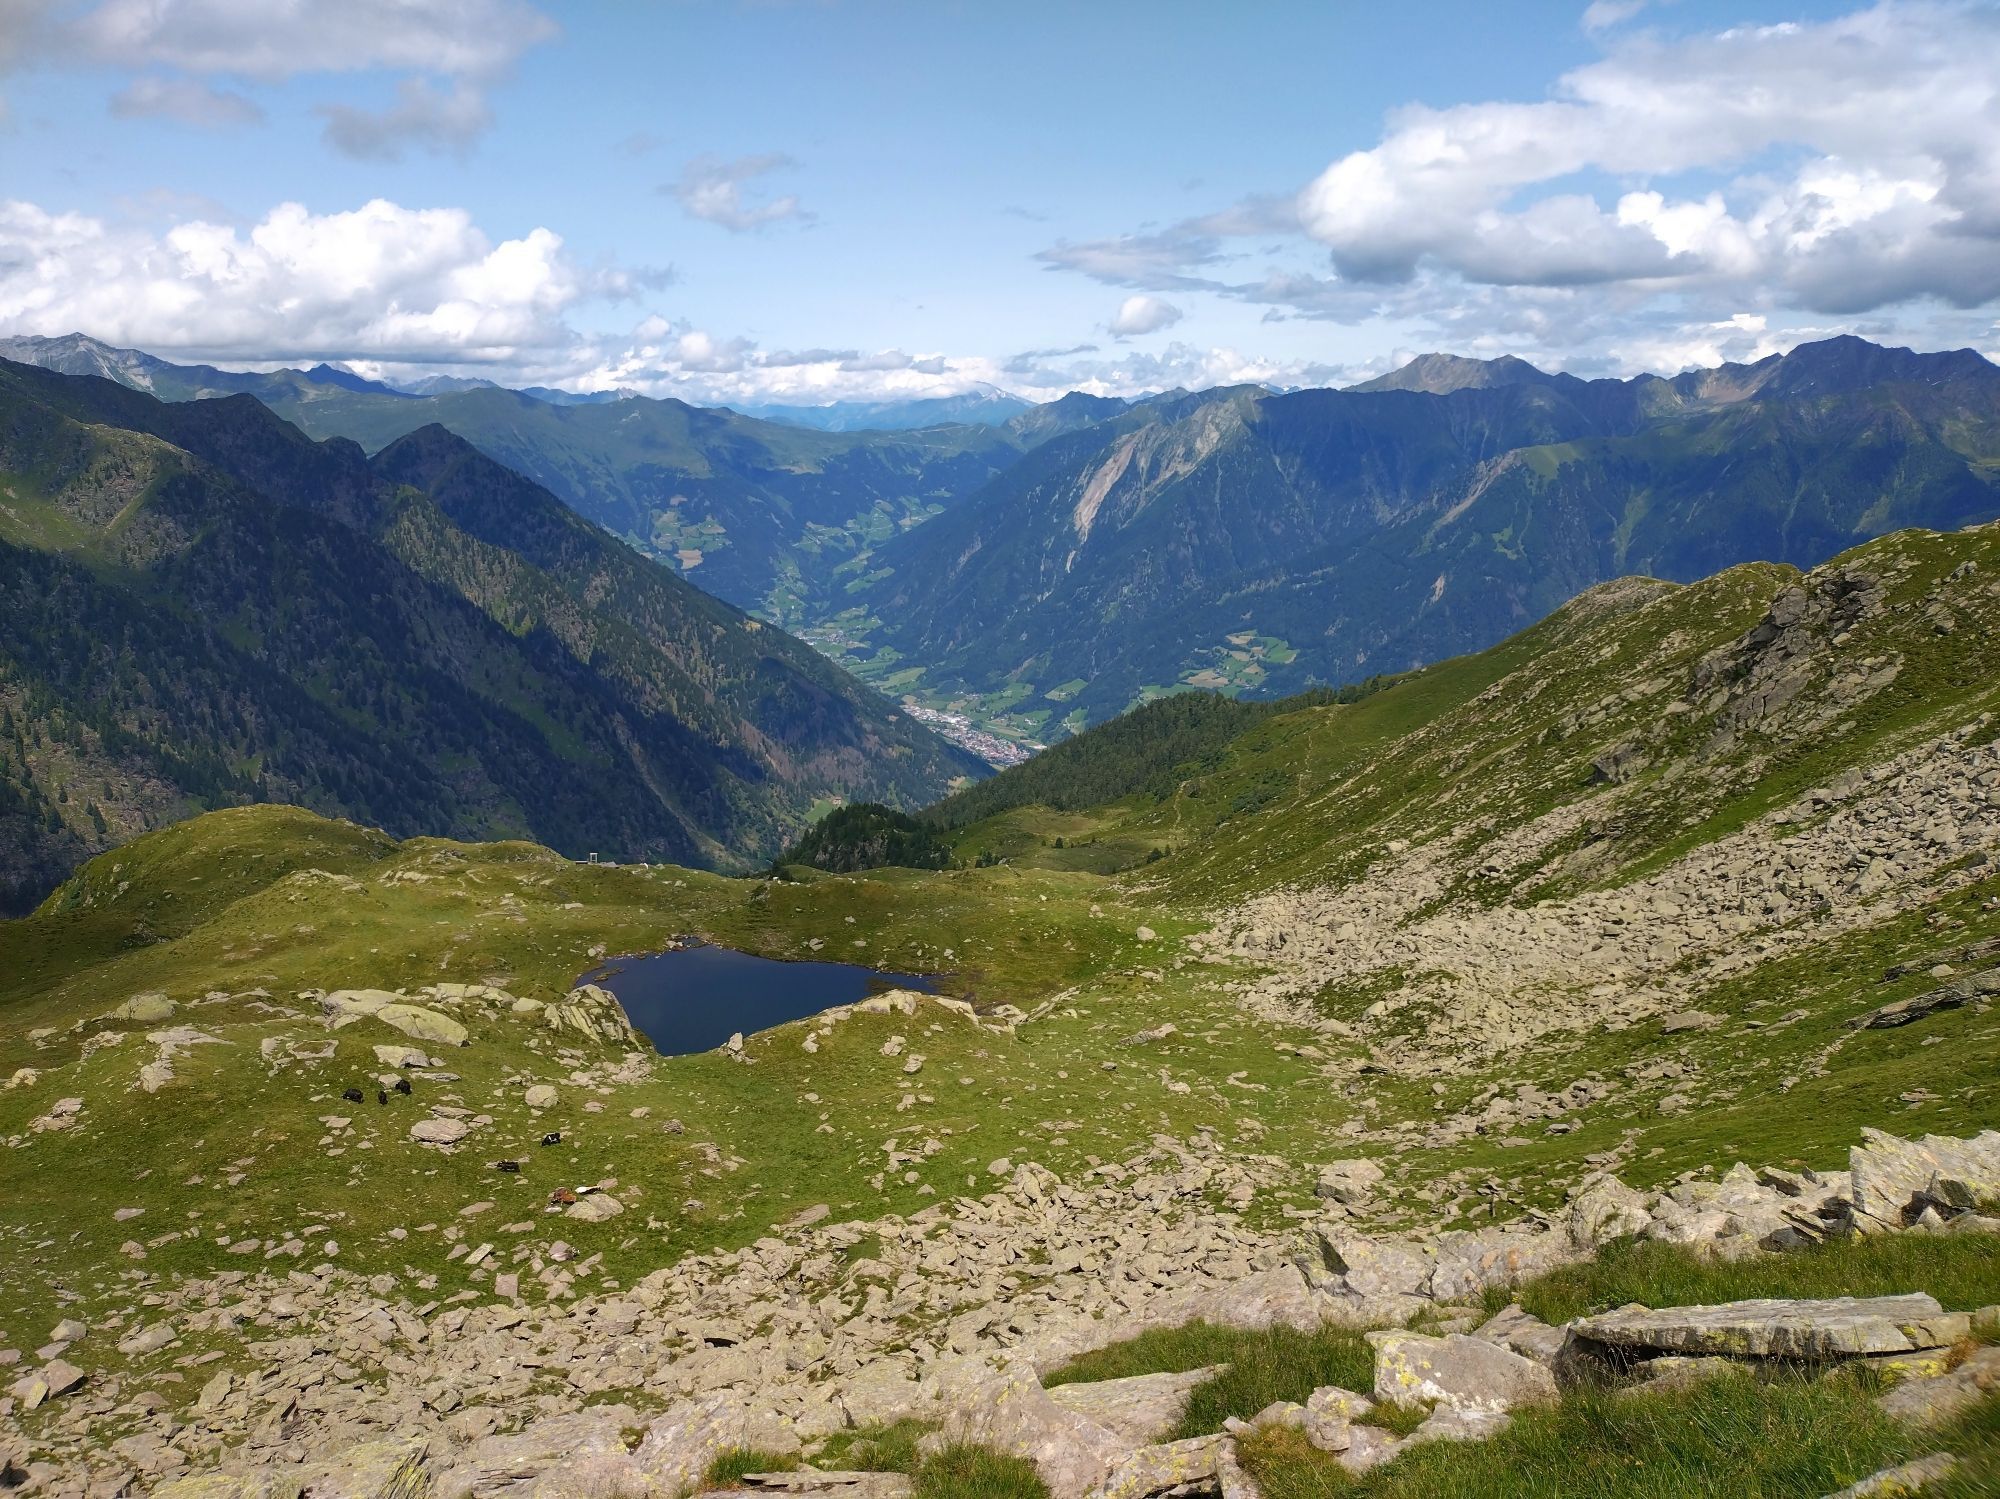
(731, 1465)
(1790, 1438)
(1278, 1363)
(962, 1472)
(873, 1449)
(1961, 1270)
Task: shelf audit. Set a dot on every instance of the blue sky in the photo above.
(740, 201)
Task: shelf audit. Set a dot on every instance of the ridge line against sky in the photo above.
(747, 202)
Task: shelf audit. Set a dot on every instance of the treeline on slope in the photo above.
(867, 835)
(1147, 751)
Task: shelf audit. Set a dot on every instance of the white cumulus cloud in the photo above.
(1143, 314)
(377, 282)
(1845, 164)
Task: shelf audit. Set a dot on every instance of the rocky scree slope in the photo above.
(203, 606)
(1542, 864)
(1265, 542)
(950, 1318)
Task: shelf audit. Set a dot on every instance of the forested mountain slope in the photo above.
(1259, 542)
(203, 606)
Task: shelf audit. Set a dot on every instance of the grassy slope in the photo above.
(225, 906)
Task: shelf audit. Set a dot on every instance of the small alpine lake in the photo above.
(694, 998)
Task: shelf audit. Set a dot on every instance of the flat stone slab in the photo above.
(1139, 1409)
(1841, 1327)
(844, 1485)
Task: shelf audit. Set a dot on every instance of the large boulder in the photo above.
(1011, 1413)
(345, 1006)
(1139, 1409)
(420, 1024)
(439, 1131)
(1466, 1265)
(1374, 1268)
(1604, 1209)
(1278, 1297)
(1840, 1327)
(558, 1456)
(1470, 1373)
(1896, 1179)
(1349, 1182)
(679, 1446)
(144, 1009)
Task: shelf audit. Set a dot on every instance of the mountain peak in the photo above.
(1441, 374)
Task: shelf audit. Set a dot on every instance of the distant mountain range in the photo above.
(200, 606)
(1038, 569)
(983, 406)
(1259, 543)
(760, 513)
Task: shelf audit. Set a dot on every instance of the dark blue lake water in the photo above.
(695, 998)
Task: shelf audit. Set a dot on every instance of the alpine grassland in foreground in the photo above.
(1785, 1438)
(1800, 1432)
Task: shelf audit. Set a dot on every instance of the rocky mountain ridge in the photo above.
(1257, 543)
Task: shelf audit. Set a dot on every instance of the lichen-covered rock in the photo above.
(1169, 1468)
(1012, 1414)
(1902, 1480)
(679, 1446)
(1457, 1370)
(421, 1024)
(1932, 1402)
(1840, 1327)
(144, 1009)
(1330, 1415)
(1137, 1409)
(1895, 1179)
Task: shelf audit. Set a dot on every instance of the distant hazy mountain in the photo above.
(759, 513)
(441, 385)
(1441, 374)
(201, 606)
(1259, 543)
(984, 405)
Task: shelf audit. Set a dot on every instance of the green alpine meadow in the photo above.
(1025, 751)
